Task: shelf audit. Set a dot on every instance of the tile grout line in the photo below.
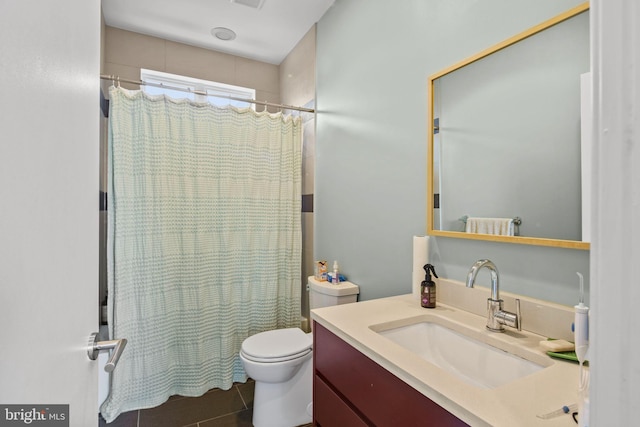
(218, 417)
(241, 398)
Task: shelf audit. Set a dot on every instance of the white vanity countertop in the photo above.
(513, 404)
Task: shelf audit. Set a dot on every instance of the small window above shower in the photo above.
(177, 86)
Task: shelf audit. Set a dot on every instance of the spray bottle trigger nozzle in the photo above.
(429, 269)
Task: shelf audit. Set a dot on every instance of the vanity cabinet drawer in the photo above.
(330, 410)
(379, 396)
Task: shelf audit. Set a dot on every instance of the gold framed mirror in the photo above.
(504, 138)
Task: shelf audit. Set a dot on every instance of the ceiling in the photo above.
(266, 34)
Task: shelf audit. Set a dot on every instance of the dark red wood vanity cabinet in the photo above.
(351, 390)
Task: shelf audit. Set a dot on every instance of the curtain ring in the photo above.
(118, 80)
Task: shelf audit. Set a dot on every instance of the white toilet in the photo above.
(280, 362)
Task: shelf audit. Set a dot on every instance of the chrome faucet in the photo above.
(496, 316)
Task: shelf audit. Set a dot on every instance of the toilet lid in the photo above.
(277, 344)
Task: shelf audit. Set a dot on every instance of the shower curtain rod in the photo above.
(118, 80)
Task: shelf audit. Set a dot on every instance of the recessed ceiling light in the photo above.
(223, 34)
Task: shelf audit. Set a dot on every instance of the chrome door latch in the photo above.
(95, 346)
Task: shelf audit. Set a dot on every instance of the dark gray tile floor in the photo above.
(216, 408)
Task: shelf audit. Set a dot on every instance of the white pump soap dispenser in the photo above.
(581, 325)
(336, 274)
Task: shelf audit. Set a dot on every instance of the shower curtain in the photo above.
(204, 241)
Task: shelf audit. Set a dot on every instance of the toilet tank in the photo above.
(324, 294)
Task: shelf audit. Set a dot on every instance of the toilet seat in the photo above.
(278, 345)
(274, 359)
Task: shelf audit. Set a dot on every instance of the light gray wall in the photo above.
(373, 60)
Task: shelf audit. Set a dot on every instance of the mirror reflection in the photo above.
(505, 141)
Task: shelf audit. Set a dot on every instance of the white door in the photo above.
(49, 135)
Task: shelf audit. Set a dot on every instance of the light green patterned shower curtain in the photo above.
(204, 241)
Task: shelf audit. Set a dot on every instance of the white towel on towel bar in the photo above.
(496, 226)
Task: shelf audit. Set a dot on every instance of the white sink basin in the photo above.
(472, 361)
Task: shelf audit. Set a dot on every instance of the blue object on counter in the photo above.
(340, 276)
(566, 409)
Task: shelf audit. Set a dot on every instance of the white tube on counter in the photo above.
(420, 258)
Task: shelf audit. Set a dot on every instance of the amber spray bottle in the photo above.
(428, 288)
